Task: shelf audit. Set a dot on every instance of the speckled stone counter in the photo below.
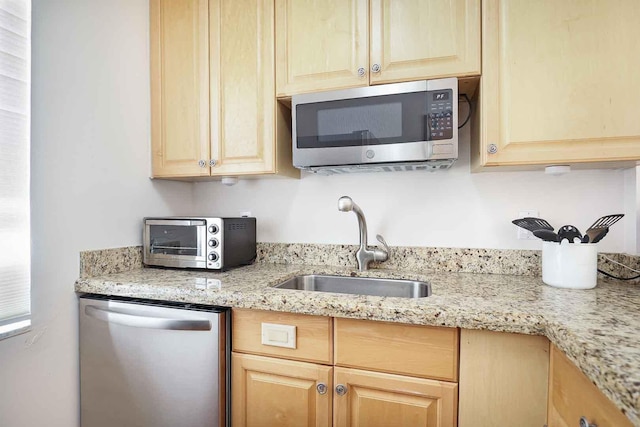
(597, 329)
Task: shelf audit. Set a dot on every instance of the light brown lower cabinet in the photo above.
(343, 373)
(349, 373)
(271, 392)
(503, 379)
(380, 400)
(572, 396)
(267, 391)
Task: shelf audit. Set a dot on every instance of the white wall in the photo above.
(90, 186)
(451, 208)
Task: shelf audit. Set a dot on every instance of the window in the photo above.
(15, 241)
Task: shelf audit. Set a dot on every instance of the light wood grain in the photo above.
(320, 45)
(382, 400)
(284, 154)
(572, 395)
(557, 83)
(314, 335)
(242, 87)
(420, 351)
(424, 39)
(179, 87)
(272, 392)
(503, 379)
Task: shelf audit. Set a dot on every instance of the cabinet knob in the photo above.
(341, 389)
(585, 423)
(375, 68)
(492, 149)
(361, 72)
(212, 162)
(202, 164)
(322, 388)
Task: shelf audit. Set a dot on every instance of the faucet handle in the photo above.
(384, 243)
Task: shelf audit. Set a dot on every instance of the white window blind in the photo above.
(15, 82)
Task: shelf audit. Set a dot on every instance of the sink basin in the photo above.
(358, 286)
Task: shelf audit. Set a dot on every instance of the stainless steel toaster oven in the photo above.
(199, 242)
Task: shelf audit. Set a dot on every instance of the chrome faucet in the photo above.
(364, 255)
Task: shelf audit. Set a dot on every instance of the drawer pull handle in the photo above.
(322, 388)
(585, 423)
(341, 389)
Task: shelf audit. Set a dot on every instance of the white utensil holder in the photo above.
(570, 265)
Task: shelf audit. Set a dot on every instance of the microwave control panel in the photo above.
(440, 114)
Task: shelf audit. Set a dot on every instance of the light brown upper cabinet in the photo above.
(214, 111)
(322, 45)
(559, 83)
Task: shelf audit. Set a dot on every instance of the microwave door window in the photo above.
(174, 240)
(387, 119)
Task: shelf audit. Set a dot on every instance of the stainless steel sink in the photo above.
(358, 286)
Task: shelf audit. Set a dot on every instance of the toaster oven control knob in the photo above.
(213, 229)
(213, 256)
(214, 243)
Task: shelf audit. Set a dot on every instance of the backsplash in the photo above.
(485, 261)
(109, 261)
(488, 261)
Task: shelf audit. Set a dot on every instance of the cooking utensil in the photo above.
(603, 232)
(596, 229)
(569, 232)
(546, 235)
(532, 224)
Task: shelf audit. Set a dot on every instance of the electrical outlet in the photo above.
(526, 234)
(245, 213)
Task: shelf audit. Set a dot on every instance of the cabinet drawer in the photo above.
(573, 395)
(312, 342)
(421, 351)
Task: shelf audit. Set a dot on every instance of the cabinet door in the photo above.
(572, 396)
(559, 83)
(179, 37)
(274, 392)
(320, 45)
(243, 101)
(424, 39)
(382, 400)
(503, 379)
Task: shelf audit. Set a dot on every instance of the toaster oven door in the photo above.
(178, 243)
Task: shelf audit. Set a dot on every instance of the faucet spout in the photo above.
(364, 255)
(346, 204)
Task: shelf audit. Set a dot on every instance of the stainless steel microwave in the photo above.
(199, 242)
(400, 126)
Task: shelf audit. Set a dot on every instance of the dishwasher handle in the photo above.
(139, 321)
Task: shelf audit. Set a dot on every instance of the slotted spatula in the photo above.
(532, 224)
(600, 228)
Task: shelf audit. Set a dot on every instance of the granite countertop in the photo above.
(596, 328)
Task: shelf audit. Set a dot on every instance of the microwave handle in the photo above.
(427, 127)
(184, 222)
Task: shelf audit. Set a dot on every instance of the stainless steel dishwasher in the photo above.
(150, 363)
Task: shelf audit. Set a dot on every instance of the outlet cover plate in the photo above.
(526, 234)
